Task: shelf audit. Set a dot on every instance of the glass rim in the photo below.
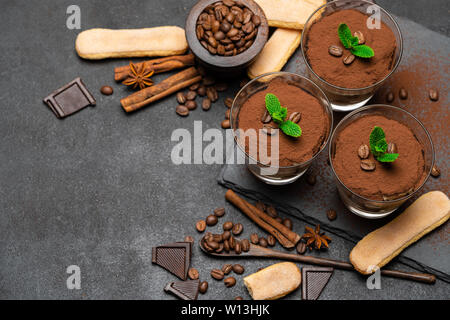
(405, 197)
(400, 45)
(328, 107)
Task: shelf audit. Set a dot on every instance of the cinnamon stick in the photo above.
(166, 87)
(286, 237)
(157, 65)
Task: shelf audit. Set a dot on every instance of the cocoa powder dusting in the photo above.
(361, 72)
(404, 175)
(314, 121)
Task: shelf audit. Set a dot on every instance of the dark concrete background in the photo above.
(98, 189)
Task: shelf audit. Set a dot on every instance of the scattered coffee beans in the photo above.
(181, 98)
(263, 242)
(271, 211)
(217, 274)
(237, 247)
(191, 104)
(193, 274)
(301, 247)
(182, 111)
(229, 282)
(106, 90)
(435, 172)
(238, 298)
(237, 229)
(335, 51)
(254, 238)
(212, 94)
(191, 95)
(245, 245)
(227, 268)
(211, 220)
(200, 225)
(271, 241)
(226, 124)
(287, 223)
(363, 151)
(206, 104)
(219, 212)
(203, 287)
(226, 235)
(331, 214)
(228, 102)
(368, 165)
(238, 269)
(403, 94)
(433, 94)
(227, 226)
(189, 239)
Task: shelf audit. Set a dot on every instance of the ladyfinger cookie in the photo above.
(380, 246)
(290, 14)
(277, 51)
(106, 43)
(273, 282)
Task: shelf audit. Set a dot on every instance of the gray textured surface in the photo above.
(98, 188)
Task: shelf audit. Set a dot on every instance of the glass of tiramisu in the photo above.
(381, 156)
(351, 47)
(272, 154)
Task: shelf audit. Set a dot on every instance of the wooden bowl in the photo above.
(222, 64)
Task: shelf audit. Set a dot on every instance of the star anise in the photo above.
(138, 77)
(314, 236)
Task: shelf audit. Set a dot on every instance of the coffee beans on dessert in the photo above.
(227, 28)
(390, 96)
(433, 94)
(392, 148)
(348, 59)
(295, 117)
(363, 151)
(403, 94)
(335, 51)
(360, 36)
(266, 118)
(368, 165)
(435, 172)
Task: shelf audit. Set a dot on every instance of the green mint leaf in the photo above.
(362, 51)
(376, 135)
(381, 146)
(354, 41)
(388, 157)
(272, 104)
(291, 129)
(345, 35)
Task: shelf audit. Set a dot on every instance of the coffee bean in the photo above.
(248, 27)
(206, 104)
(208, 235)
(225, 26)
(106, 90)
(228, 102)
(245, 245)
(211, 220)
(232, 33)
(219, 35)
(227, 114)
(256, 20)
(191, 104)
(435, 172)
(390, 96)
(331, 214)
(348, 59)
(226, 245)
(227, 226)
(226, 235)
(295, 117)
(254, 238)
(181, 98)
(229, 282)
(238, 269)
(311, 178)
(238, 298)
(392, 148)
(219, 212)
(237, 247)
(200, 32)
(206, 25)
(212, 94)
(403, 94)
(203, 287)
(287, 223)
(212, 41)
(217, 238)
(232, 242)
(269, 129)
(260, 205)
(360, 36)
(279, 220)
(228, 3)
(271, 211)
(212, 244)
(182, 111)
(205, 245)
(433, 94)
(237, 24)
(217, 274)
(221, 86)
(301, 247)
(230, 17)
(208, 81)
(226, 124)
(227, 268)
(363, 151)
(335, 51)
(250, 36)
(237, 229)
(189, 239)
(368, 165)
(191, 95)
(193, 274)
(271, 241)
(263, 242)
(201, 91)
(266, 118)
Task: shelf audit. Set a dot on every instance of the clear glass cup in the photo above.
(277, 175)
(375, 209)
(348, 99)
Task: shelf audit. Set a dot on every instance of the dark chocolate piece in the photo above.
(174, 257)
(186, 290)
(314, 280)
(69, 99)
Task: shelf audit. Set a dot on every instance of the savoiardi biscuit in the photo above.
(277, 51)
(273, 282)
(290, 14)
(380, 246)
(124, 43)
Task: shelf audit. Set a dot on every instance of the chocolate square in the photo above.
(174, 257)
(186, 290)
(314, 280)
(69, 99)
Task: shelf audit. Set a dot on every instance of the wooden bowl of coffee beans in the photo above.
(227, 35)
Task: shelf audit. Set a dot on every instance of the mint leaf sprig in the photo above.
(351, 42)
(379, 146)
(279, 114)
